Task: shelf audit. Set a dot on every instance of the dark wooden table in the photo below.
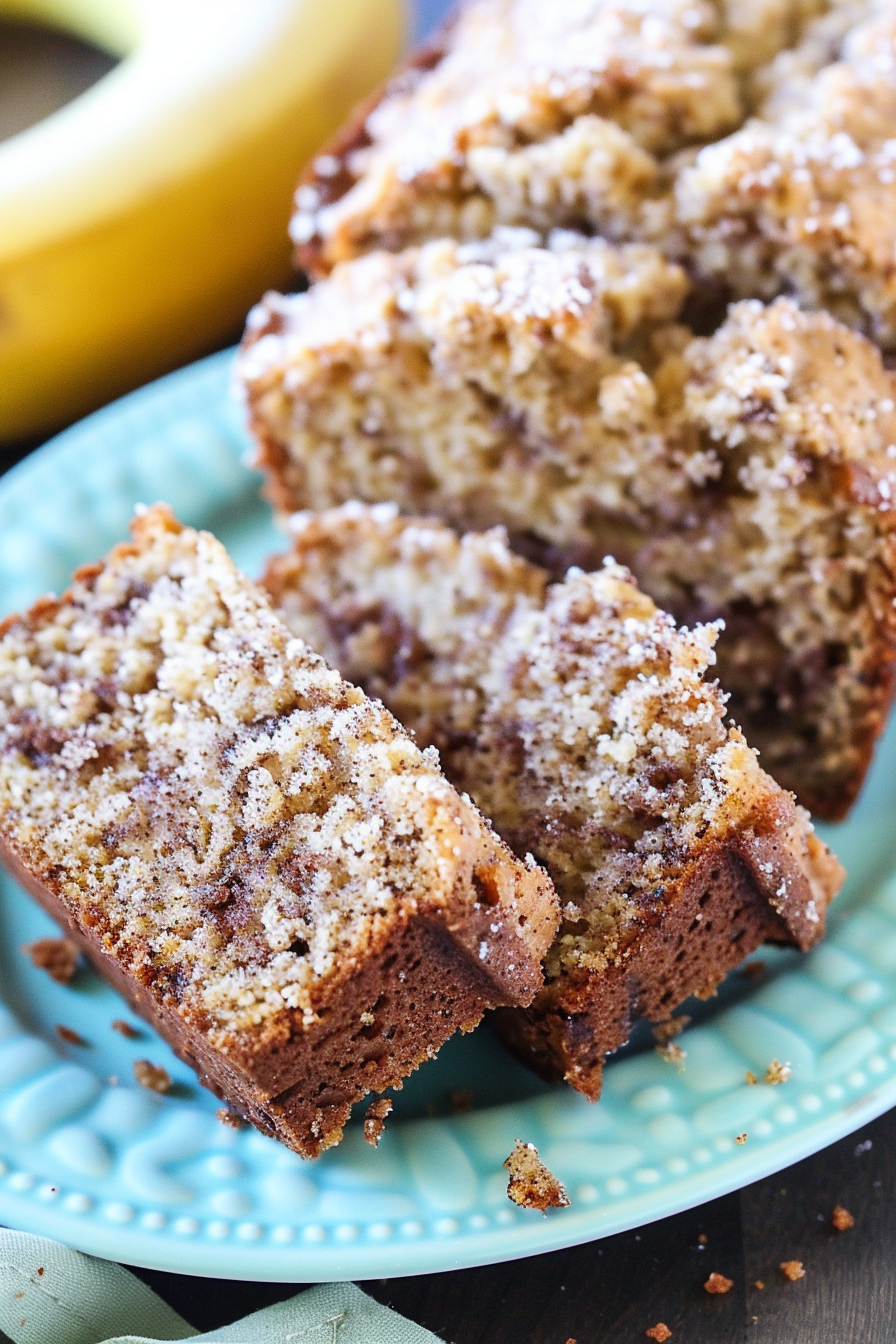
(610, 1291)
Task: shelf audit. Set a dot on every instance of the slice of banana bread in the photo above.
(580, 719)
(802, 199)
(545, 114)
(254, 853)
(749, 476)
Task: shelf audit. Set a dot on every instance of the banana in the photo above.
(138, 223)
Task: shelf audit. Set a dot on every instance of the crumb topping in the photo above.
(802, 197)
(543, 115)
(717, 1283)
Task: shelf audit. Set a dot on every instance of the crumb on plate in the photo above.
(152, 1076)
(664, 1032)
(375, 1120)
(777, 1073)
(230, 1118)
(57, 956)
(69, 1035)
(531, 1184)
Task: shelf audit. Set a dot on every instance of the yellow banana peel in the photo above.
(139, 222)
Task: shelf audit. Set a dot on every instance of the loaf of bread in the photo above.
(750, 139)
(585, 725)
(254, 853)
(750, 475)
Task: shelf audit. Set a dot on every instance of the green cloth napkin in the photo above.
(50, 1294)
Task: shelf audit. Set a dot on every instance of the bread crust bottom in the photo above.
(420, 989)
(717, 914)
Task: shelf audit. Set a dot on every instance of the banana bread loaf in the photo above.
(582, 721)
(254, 853)
(750, 475)
(524, 112)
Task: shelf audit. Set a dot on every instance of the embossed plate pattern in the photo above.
(87, 1156)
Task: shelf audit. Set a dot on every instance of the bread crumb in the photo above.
(703, 1239)
(841, 1219)
(759, 1285)
(531, 1184)
(717, 1283)
(740, 1138)
(68, 1035)
(753, 970)
(792, 1270)
(151, 1076)
(672, 1053)
(230, 1118)
(663, 1032)
(375, 1120)
(659, 1332)
(751, 1078)
(125, 1029)
(57, 956)
(777, 1073)
(462, 1101)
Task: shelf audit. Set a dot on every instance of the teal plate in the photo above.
(89, 1157)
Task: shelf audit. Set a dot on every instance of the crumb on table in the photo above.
(792, 1270)
(125, 1029)
(152, 1076)
(717, 1283)
(740, 1139)
(375, 1120)
(660, 1332)
(751, 1078)
(531, 1184)
(841, 1219)
(462, 1101)
(759, 1285)
(57, 956)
